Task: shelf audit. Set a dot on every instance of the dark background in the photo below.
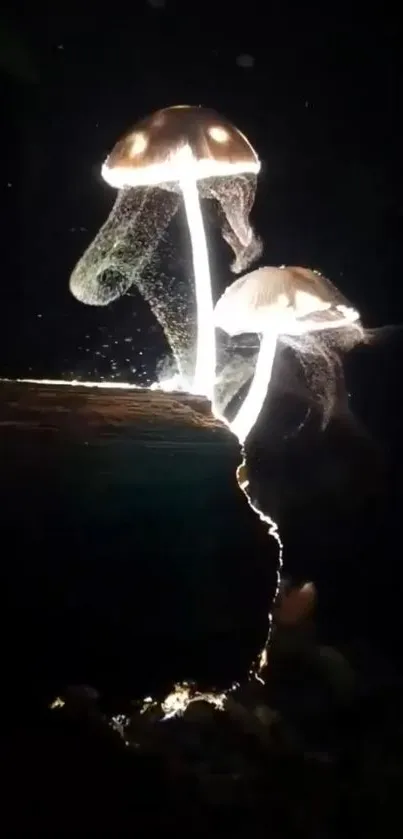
(321, 101)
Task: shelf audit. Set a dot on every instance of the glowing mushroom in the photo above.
(184, 145)
(274, 302)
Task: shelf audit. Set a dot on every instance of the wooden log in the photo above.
(129, 555)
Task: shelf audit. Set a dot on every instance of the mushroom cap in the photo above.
(284, 298)
(175, 142)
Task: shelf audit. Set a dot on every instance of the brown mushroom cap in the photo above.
(174, 141)
(290, 295)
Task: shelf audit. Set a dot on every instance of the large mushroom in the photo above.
(184, 145)
(274, 302)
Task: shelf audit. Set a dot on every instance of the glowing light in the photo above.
(243, 483)
(183, 694)
(57, 703)
(220, 135)
(77, 383)
(160, 173)
(171, 385)
(180, 697)
(252, 405)
(204, 377)
(139, 144)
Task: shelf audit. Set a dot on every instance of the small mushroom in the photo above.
(274, 302)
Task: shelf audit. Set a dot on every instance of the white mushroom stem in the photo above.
(249, 412)
(204, 376)
(252, 404)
